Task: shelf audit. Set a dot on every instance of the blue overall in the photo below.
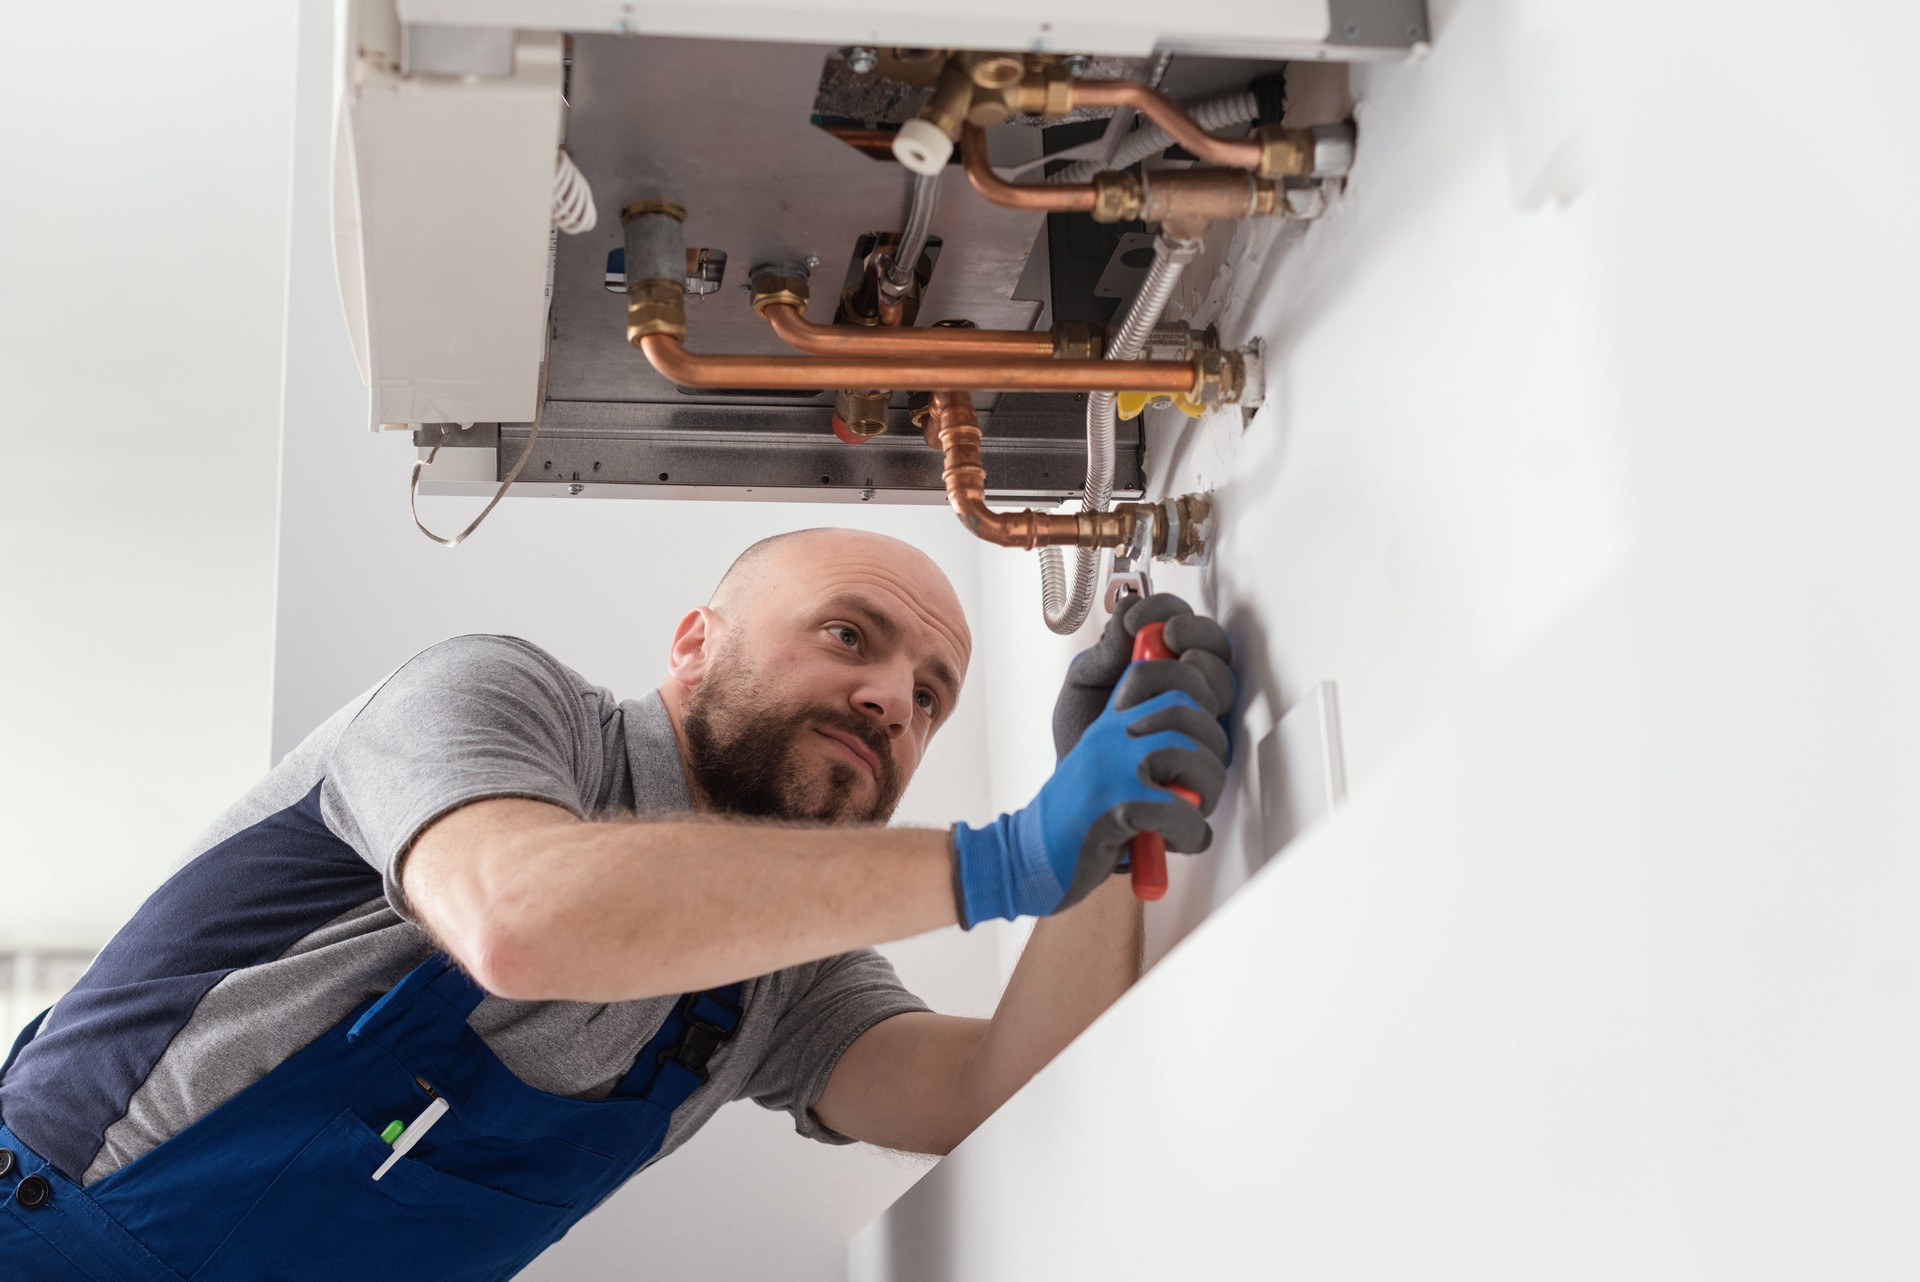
(277, 1183)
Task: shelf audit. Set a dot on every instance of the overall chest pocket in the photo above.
(326, 1217)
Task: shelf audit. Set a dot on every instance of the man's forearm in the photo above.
(1076, 965)
(541, 906)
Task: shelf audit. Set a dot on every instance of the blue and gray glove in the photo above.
(1202, 665)
(1073, 836)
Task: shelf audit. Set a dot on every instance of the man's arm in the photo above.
(922, 1082)
(540, 905)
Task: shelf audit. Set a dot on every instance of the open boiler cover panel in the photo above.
(641, 256)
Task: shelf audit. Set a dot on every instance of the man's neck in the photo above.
(674, 696)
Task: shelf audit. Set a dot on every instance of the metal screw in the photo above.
(746, 291)
(575, 489)
(812, 260)
(861, 60)
(866, 494)
(1077, 64)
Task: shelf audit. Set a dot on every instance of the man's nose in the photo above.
(888, 703)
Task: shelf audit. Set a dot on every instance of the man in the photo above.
(415, 1005)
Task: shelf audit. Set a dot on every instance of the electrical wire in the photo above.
(573, 208)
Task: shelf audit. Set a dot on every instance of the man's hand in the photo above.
(1197, 640)
(1160, 726)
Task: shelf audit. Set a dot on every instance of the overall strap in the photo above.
(27, 1034)
(436, 976)
(674, 1062)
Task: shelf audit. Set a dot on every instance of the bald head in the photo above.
(787, 559)
(812, 681)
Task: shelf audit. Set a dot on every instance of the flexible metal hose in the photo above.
(913, 240)
(1212, 114)
(1065, 606)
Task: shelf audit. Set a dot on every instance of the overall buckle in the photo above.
(699, 1037)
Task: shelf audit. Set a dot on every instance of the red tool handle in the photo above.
(1148, 850)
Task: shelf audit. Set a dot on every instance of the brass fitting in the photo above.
(1185, 202)
(778, 287)
(1042, 89)
(1219, 376)
(991, 70)
(1284, 152)
(1181, 527)
(1119, 196)
(952, 98)
(656, 307)
(864, 412)
(1077, 341)
(676, 212)
(656, 269)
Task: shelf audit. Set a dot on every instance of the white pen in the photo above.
(434, 1111)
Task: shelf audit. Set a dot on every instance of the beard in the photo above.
(745, 752)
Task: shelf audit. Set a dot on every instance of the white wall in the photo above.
(143, 155)
(601, 584)
(1602, 516)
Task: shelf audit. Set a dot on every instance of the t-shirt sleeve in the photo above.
(462, 721)
(844, 997)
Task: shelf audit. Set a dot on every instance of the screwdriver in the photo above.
(1147, 852)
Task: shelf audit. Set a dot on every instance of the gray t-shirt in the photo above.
(259, 942)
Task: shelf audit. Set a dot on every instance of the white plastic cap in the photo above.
(922, 147)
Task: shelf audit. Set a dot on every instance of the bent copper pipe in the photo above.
(794, 329)
(1243, 153)
(954, 429)
(807, 373)
(1055, 198)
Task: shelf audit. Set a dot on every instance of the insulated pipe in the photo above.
(801, 334)
(670, 357)
(1241, 153)
(954, 429)
(913, 240)
(1065, 606)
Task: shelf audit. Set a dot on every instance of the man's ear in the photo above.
(692, 649)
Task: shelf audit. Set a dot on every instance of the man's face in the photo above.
(826, 681)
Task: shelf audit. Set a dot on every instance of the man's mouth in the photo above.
(860, 752)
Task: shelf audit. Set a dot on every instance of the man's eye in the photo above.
(927, 703)
(846, 636)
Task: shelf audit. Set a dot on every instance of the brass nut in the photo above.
(640, 207)
(863, 411)
(1285, 153)
(1047, 92)
(1077, 341)
(656, 307)
(1118, 196)
(1218, 378)
(779, 289)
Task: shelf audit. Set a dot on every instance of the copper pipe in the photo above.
(802, 373)
(1243, 153)
(801, 334)
(954, 429)
(1056, 198)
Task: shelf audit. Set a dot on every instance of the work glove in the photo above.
(1074, 834)
(1202, 665)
